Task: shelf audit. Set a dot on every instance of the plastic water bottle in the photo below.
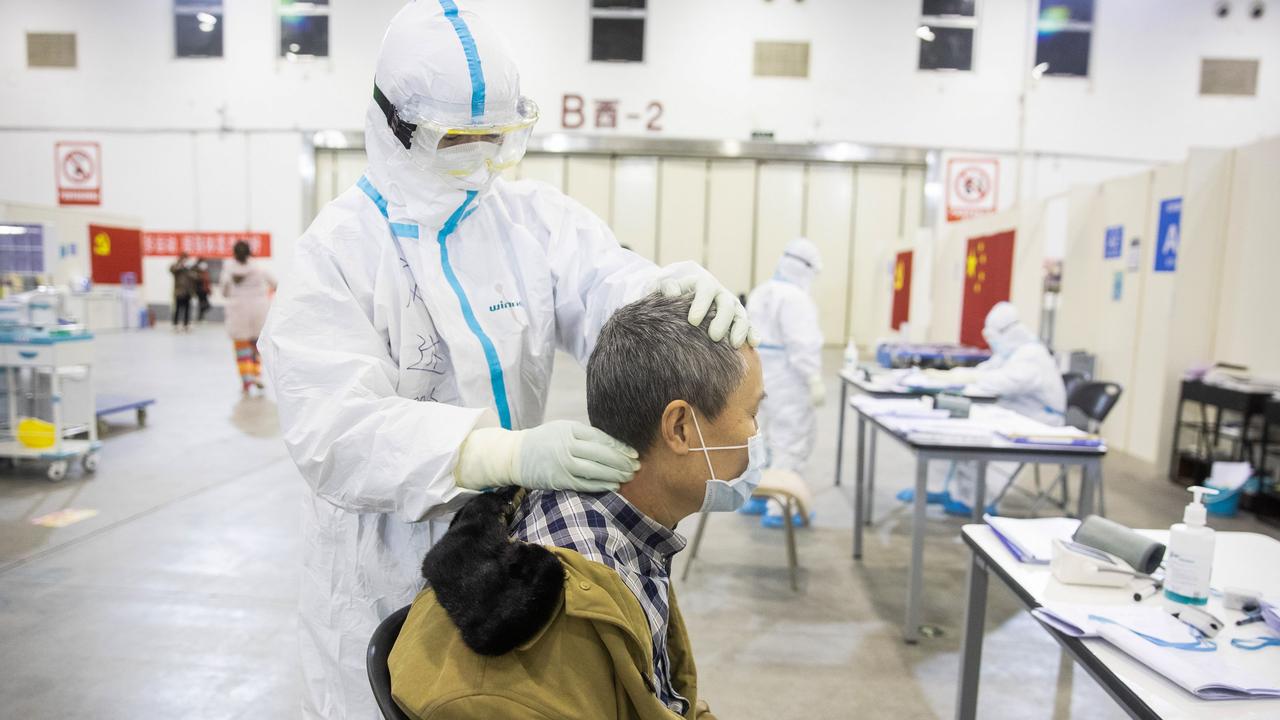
(851, 356)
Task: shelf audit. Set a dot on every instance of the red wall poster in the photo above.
(988, 272)
(901, 290)
(114, 251)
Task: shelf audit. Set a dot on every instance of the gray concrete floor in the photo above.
(177, 600)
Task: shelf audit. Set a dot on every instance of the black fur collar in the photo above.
(498, 592)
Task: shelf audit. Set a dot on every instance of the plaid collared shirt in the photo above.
(609, 530)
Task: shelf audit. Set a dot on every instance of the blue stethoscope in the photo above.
(1255, 643)
(1198, 645)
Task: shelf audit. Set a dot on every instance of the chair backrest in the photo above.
(384, 638)
(1095, 400)
(1072, 380)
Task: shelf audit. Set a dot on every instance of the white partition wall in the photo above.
(1107, 314)
(550, 169)
(682, 210)
(635, 204)
(829, 225)
(589, 180)
(779, 213)
(335, 172)
(730, 214)
(1155, 326)
(1078, 303)
(1246, 316)
(1147, 327)
(1179, 308)
(877, 225)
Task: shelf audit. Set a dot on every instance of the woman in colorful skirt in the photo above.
(247, 288)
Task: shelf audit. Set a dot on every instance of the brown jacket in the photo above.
(592, 658)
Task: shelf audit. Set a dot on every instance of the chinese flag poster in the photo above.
(901, 290)
(988, 270)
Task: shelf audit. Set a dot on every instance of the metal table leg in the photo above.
(975, 616)
(980, 493)
(1090, 477)
(858, 490)
(870, 495)
(844, 406)
(911, 633)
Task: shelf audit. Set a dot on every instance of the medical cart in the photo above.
(27, 356)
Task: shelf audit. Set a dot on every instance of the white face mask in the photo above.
(468, 166)
(998, 341)
(729, 495)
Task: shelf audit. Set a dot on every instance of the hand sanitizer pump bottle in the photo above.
(1189, 562)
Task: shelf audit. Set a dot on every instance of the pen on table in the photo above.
(1140, 595)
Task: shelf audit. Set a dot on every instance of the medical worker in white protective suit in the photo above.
(782, 310)
(1027, 380)
(412, 342)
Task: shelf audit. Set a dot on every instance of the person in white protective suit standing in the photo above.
(1025, 378)
(782, 310)
(411, 345)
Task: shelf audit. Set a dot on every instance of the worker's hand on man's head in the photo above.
(731, 317)
(558, 455)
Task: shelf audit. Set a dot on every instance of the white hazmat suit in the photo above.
(419, 318)
(1027, 380)
(783, 312)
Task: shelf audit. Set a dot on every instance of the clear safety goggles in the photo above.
(461, 149)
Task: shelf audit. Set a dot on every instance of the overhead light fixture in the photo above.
(1038, 71)
(294, 47)
(925, 33)
(207, 18)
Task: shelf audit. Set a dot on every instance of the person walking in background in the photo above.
(184, 286)
(247, 288)
(203, 287)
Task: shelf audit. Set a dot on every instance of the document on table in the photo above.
(1031, 540)
(1145, 631)
(898, 408)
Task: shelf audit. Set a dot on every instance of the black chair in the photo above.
(1072, 380)
(384, 638)
(1088, 405)
(1095, 400)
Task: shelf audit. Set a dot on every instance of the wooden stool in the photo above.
(788, 490)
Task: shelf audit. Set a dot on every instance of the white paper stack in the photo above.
(1229, 476)
(1142, 630)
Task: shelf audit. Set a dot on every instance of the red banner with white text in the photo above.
(204, 244)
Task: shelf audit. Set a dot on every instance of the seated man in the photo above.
(560, 605)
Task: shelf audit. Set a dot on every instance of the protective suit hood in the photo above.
(442, 63)
(800, 263)
(1004, 332)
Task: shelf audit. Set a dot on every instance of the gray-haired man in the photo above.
(596, 588)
